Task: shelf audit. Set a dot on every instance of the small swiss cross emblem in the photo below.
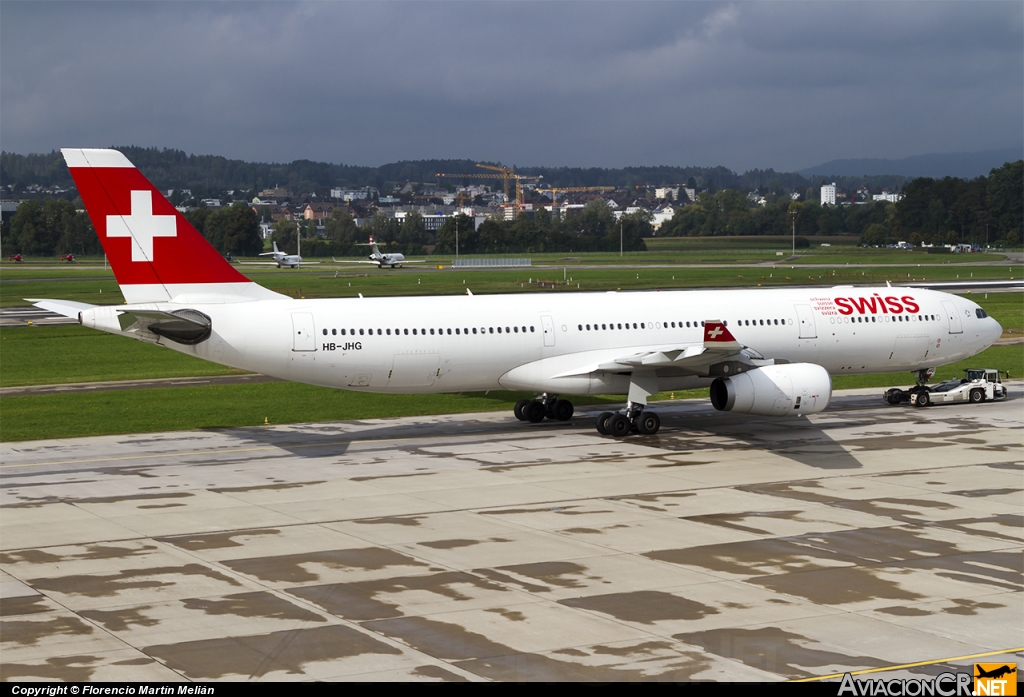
(142, 226)
(715, 333)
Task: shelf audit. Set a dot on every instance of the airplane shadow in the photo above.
(687, 426)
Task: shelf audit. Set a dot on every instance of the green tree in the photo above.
(341, 230)
(446, 235)
(235, 230)
(633, 227)
(283, 233)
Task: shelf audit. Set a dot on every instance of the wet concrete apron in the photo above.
(476, 547)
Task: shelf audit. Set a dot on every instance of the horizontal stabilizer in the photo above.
(65, 308)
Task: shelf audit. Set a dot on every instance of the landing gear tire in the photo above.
(602, 423)
(520, 408)
(923, 399)
(563, 410)
(534, 412)
(977, 396)
(648, 423)
(618, 426)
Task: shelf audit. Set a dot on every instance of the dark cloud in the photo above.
(783, 85)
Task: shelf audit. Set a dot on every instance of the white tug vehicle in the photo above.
(978, 385)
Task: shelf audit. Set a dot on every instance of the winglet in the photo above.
(717, 335)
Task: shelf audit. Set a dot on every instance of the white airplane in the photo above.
(381, 260)
(292, 261)
(761, 351)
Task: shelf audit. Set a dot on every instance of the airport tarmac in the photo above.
(473, 547)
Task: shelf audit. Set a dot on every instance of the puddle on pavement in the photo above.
(258, 655)
(645, 607)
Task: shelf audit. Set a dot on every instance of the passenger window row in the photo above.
(761, 322)
(458, 331)
(861, 319)
(676, 325)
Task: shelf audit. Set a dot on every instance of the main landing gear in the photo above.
(545, 406)
(633, 419)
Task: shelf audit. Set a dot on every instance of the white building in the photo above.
(886, 196)
(828, 194)
(667, 193)
(366, 193)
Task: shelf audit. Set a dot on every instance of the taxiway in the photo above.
(477, 547)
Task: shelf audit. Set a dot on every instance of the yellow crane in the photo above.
(504, 173)
(572, 189)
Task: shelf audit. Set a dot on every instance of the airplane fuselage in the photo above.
(542, 342)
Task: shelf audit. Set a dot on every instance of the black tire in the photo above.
(602, 423)
(534, 412)
(648, 423)
(618, 426)
(977, 396)
(520, 407)
(894, 396)
(563, 410)
(923, 399)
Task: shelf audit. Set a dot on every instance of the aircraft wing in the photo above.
(719, 345)
(719, 354)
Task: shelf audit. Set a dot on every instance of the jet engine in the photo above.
(774, 390)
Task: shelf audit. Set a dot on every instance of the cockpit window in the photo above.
(981, 313)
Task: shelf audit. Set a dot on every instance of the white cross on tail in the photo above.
(142, 226)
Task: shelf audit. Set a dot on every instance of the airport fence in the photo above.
(492, 263)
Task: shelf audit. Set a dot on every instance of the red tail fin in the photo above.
(156, 254)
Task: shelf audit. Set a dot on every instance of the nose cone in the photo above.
(993, 331)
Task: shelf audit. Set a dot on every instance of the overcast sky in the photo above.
(749, 84)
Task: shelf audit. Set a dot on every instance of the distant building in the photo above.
(318, 211)
(667, 192)
(828, 194)
(886, 196)
(366, 193)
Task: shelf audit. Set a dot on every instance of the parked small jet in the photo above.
(381, 260)
(292, 261)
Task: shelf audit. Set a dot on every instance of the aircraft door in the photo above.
(805, 316)
(954, 319)
(549, 330)
(303, 336)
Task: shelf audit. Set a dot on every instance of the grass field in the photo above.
(224, 406)
(327, 281)
(68, 353)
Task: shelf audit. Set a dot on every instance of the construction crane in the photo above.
(505, 173)
(572, 189)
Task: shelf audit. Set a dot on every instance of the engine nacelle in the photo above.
(774, 390)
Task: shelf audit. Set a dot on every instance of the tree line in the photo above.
(590, 229)
(935, 211)
(986, 210)
(212, 176)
